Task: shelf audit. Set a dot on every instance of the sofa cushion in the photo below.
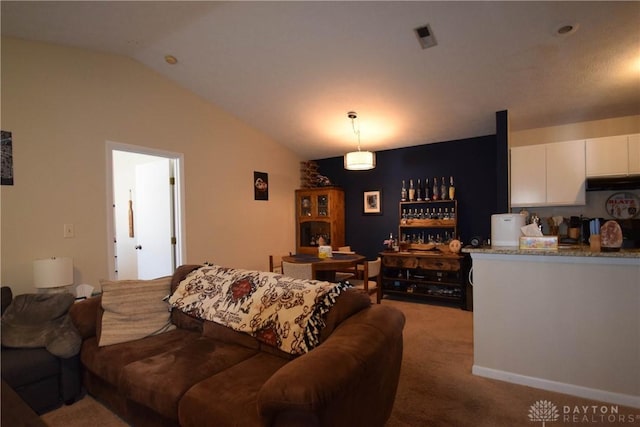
(107, 362)
(222, 333)
(159, 381)
(83, 316)
(133, 309)
(41, 320)
(235, 390)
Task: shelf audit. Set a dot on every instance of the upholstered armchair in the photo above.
(40, 347)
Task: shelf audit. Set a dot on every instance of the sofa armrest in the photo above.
(84, 315)
(350, 379)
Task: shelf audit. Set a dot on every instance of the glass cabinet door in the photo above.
(323, 205)
(311, 231)
(305, 206)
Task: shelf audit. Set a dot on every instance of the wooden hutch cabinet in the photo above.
(319, 213)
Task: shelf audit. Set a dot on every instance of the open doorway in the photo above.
(145, 212)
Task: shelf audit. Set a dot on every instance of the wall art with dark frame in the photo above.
(372, 203)
(7, 158)
(260, 186)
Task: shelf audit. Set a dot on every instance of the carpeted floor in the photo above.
(436, 385)
(86, 412)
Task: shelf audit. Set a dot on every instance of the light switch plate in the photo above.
(69, 232)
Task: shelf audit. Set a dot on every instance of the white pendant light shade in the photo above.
(360, 160)
(52, 272)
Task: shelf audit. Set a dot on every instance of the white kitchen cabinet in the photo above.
(634, 154)
(608, 156)
(528, 175)
(548, 174)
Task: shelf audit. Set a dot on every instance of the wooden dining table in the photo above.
(326, 268)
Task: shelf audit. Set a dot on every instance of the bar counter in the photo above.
(565, 320)
(573, 250)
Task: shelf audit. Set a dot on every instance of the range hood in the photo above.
(613, 183)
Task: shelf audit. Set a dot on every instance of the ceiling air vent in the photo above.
(425, 37)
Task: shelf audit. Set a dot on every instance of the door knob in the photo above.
(139, 247)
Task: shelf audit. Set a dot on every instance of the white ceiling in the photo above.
(294, 69)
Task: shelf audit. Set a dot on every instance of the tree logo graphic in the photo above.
(544, 411)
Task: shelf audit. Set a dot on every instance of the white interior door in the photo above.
(153, 219)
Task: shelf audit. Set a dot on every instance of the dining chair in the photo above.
(275, 263)
(348, 273)
(368, 285)
(297, 270)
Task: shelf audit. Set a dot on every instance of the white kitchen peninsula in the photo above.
(565, 320)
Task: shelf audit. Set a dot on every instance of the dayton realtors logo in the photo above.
(545, 411)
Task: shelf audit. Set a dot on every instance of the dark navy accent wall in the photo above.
(473, 163)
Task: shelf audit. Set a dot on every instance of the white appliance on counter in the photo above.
(505, 229)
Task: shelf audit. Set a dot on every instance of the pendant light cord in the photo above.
(356, 131)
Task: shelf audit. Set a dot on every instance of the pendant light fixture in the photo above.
(358, 160)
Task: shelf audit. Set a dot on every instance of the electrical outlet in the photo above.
(69, 233)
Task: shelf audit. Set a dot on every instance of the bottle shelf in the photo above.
(428, 223)
(418, 202)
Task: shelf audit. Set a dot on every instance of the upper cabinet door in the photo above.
(548, 174)
(528, 176)
(607, 156)
(634, 154)
(566, 173)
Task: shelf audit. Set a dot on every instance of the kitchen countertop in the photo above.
(574, 250)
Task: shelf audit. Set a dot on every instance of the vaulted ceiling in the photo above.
(293, 70)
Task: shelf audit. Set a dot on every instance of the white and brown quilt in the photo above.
(280, 311)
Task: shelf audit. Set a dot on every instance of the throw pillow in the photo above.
(134, 309)
(41, 320)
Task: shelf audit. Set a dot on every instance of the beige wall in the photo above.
(582, 130)
(63, 104)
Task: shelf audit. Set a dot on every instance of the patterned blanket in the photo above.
(280, 311)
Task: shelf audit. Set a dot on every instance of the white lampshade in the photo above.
(360, 160)
(52, 272)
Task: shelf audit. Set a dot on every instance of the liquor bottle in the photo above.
(419, 191)
(403, 192)
(436, 190)
(412, 191)
(452, 189)
(453, 213)
(426, 189)
(443, 189)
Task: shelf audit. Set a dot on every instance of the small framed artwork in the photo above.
(260, 186)
(7, 158)
(372, 202)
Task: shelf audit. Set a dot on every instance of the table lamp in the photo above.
(53, 274)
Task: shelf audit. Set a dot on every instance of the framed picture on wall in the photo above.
(7, 158)
(260, 186)
(372, 202)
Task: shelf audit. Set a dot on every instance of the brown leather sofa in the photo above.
(204, 374)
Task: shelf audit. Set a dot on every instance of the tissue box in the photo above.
(542, 242)
(325, 252)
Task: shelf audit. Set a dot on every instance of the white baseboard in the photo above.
(571, 389)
